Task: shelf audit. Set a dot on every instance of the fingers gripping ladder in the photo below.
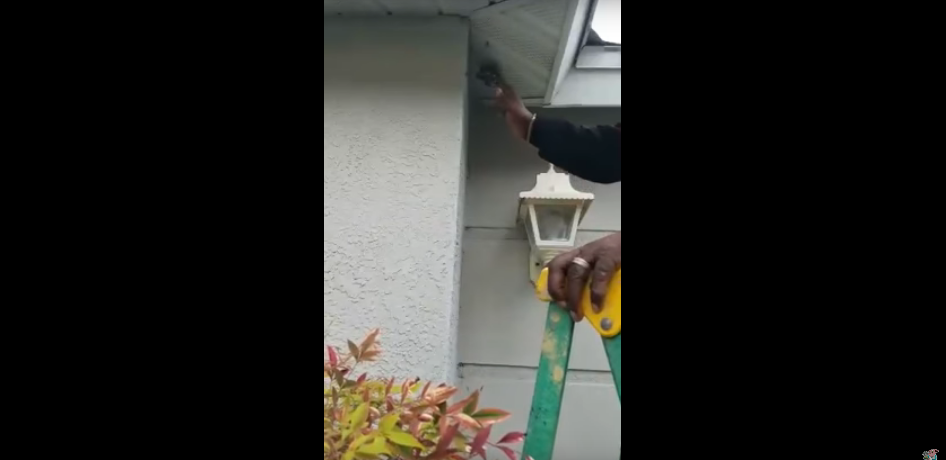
(553, 364)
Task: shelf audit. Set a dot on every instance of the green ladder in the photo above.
(550, 381)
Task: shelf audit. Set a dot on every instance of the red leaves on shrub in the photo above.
(332, 356)
(364, 418)
(480, 441)
(512, 438)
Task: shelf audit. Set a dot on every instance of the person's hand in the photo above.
(569, 274)
(517, 116)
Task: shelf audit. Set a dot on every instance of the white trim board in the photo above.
(569, 43)
(583, 77)
(589, 88)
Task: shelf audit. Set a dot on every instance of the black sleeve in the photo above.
(591, 153)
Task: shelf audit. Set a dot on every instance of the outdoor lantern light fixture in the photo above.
(550, 213)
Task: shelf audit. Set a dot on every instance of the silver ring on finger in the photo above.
(581, 263)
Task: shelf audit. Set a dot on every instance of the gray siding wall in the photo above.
(501, 322)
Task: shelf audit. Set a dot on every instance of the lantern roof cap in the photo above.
(554, 185)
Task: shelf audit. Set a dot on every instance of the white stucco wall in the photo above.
(395, 117)
(501, 322)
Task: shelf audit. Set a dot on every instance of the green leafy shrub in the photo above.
(367, 418)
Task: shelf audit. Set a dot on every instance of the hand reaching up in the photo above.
(517, 116)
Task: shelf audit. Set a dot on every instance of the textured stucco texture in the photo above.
(394, 147)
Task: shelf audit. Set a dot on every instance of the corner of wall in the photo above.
(453, 350)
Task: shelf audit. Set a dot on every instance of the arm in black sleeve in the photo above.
(591, 153)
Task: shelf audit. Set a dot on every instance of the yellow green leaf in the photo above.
(459, 443)
(378, 447)
(491, 416)
(388, 423)
(326, 446)
(403, 439)
(358, 417)
(359, 441)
